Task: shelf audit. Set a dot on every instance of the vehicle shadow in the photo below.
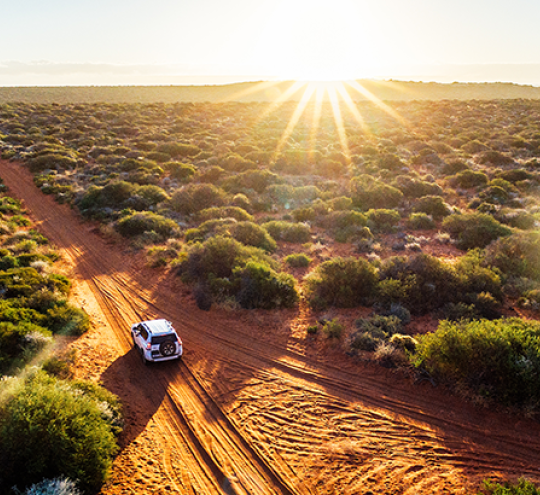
(139, 391)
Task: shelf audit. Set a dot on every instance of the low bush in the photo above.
(474, 230)
(520, 219)
(341, 282)
(416, 188)
(224, 212)
(434, 206)
(469, 178)
(53, 161)
(421, 283)
(196, 197)
(262, 287)
(289, 196)
(251, 234)
(424, 283)
(257, 180)
(282, 230)
(420, 221)
(51, 428)
(517, 255)
(333, 329)
(372, 331)
(522, 487)
(367, 192)
(137, 224)
(498, 359)
(180, 171)
(382, 220)
(344, 224)
(495, 158)
(298, 260)
(217, 257)
(152, 194)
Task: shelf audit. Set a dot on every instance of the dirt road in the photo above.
(256, 407)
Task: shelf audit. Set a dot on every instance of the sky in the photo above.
(92, 42)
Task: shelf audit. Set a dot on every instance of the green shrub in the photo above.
(341, 282)
(257, 180)
(224, 212)
(382, 220)
(289, 196)
(420, 221)
(333, 329)
(416, 188)
(262, 287)
(48, 428)
(371, 332)
(390, 161)
(152, 194)
(469, 178)
(10, 205)
(19, 342)
(421, 283)
(497, 359)
(474, 230)
(65, 319)
(251, 234)
(218, 256)
(345, 224)
(495, 158)
(158, 156)
(196, 197)
(298, 260)
(364, 341)
(516, 255)
(113, 195)
(522, 487)
(138, 223)
(51, 161)
(453, 167)
(312, 329)
(180, 171)
(178, 149)
(368, 192)
(282, 230)
(434, 206)
(520, 219)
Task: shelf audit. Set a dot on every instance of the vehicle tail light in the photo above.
(179, 340)
(148, 346)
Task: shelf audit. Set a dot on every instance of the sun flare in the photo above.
(340, 95)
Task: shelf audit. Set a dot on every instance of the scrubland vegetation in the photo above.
(436, 213)
(55, 433)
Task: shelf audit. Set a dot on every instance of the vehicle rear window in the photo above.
(159, 339)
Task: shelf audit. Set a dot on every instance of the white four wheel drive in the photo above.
(156, 340)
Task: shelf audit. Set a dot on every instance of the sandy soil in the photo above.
(256, 406)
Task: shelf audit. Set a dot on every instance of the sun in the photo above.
(317, 40)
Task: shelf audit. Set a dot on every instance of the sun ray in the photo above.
(334, 101)
(255, 88)
(397, 86)
(317, 112)
(346, 97)
(308, 93)
(374, 99)
(291, 90)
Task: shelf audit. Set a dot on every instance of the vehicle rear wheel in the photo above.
(167, 348)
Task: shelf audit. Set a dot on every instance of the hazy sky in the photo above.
(314, 39)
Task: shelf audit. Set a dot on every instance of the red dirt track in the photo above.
(254, 408)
